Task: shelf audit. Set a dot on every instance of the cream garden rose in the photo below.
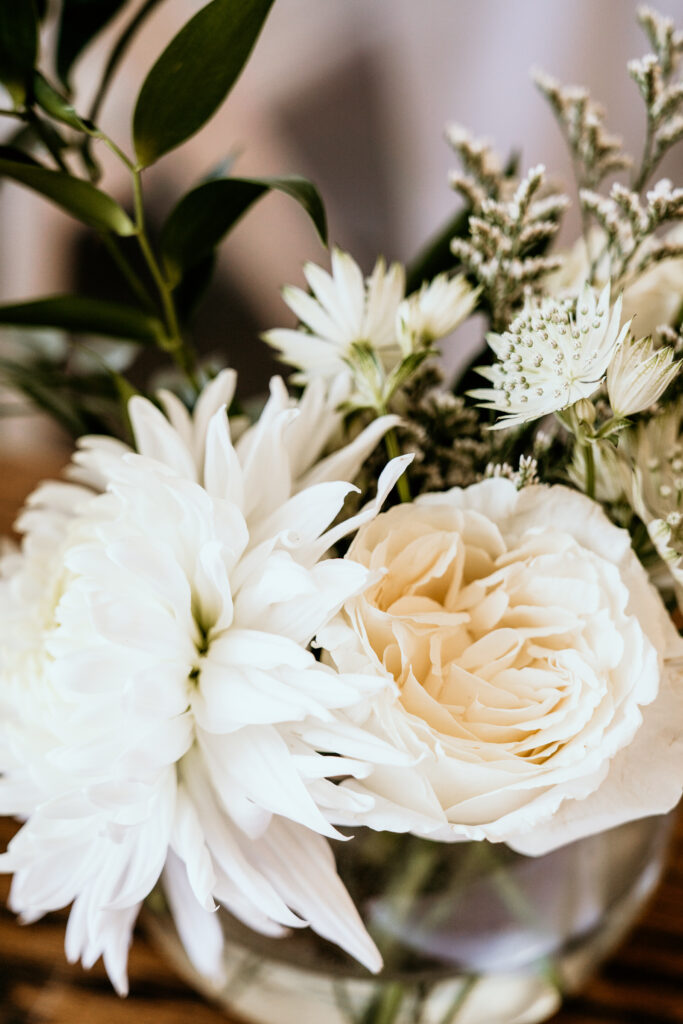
(529, 668)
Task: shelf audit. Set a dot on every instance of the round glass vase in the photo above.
(471, 933)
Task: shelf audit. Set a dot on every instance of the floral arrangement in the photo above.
(389, 600)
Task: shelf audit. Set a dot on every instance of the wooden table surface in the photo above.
(641, 984)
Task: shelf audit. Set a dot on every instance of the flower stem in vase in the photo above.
(385, 1007)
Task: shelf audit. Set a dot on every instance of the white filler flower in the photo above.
(158, 700)
(344, 310)
(552, 356)
(434, 311)
(527, 666)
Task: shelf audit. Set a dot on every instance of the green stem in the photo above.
(44, 136)
(385, 1007)
(646, 165)
(127, 271)
(394, 450)
(174, 341)
(520, 909)
(461, 998)
(116, 150)
(590, 470)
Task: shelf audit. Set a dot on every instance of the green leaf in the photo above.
(436, 257)
(17, 156)
(194, 74)
(78, 197)
(208, 212)
(18, 46)
(194, 284)
(77, 313)
(80, 22)
(56, 105)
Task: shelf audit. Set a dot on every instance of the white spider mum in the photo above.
(554, 354)
(161, 711)
(344, 310)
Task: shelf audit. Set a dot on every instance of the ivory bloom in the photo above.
(527, 668)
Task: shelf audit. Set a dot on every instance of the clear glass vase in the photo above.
(471, 933)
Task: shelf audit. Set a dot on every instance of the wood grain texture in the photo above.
(641, 984)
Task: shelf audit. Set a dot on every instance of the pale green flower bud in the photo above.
(638, 375)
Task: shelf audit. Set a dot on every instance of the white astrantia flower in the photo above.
(161, 712)
(554, 354)
(532, 671)
(638, 375)
(434, 311)
(344, 310)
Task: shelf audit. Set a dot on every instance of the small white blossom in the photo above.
(344, 311)
(434, 311)
(553, 355)
(638, 375)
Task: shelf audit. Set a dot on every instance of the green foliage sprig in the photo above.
(55, 154)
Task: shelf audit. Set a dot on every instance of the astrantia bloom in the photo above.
(344, 310)
(638, 375)
(160, 708)
(552, 356)
(530, 655)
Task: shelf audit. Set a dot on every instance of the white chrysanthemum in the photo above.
(638, 375)
(435, 310)
(161, 711)
(552, 356)
(344, 310)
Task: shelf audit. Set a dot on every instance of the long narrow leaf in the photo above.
(202, 217)
(77, 313)
(194, 74)
(77, 197)
(18, 45)
(79, 23)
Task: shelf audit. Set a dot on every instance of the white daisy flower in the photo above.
(434, 311)
(638, 375)
(161, 710)
(553, 355)
(344, 310)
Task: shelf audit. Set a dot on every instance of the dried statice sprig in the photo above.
(663, 96)
(448, 438)
(483, 176)
(630, 226)
(525, 475)
(596, 153)
(660, 89)
(508, 233)
(665, 40)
